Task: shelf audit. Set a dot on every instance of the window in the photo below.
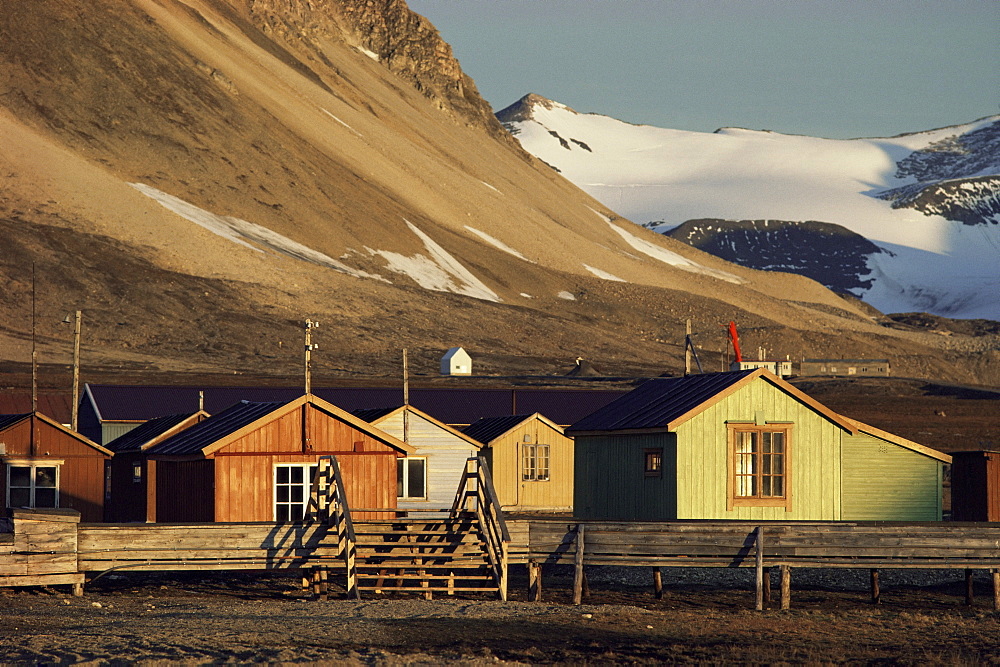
(292, 482)
(654, 462)
(137, 471)
(33, 484)
(411, 477)
(535, 463)
(759, 465)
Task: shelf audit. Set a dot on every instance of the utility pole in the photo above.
(310, 325)
(76, 368)
(34, 353)
(406, 400)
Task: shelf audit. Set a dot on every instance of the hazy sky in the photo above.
(838, 69)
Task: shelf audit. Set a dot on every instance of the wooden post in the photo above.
(76, 371)
(996, 590)
(534, 581)
(324, 583)
(687, 348)
(767, 585)
(578, 574)
(657, 583)
(876, 589)
(78, 590)
(760, 568)
(969, 592)
(786, 586)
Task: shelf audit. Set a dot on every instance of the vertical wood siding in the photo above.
(184, 491)
(610, 480)
(81, 476)
(883, 481)
(244, 469)
(556, 494)
(446, 455)
(814, 450)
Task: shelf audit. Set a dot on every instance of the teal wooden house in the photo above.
(745, 445)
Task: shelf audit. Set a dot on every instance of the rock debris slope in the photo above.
(199, 176)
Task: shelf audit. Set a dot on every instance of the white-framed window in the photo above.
(292, 482)
(535, 463)
(33, 484)
(411, 477)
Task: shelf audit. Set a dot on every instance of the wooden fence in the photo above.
(51, 547)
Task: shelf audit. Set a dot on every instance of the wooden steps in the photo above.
(423, 556)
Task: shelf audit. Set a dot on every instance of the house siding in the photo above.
(883, 481)
(556, 494)
(446, 455)
(702, 458)
(610, 480)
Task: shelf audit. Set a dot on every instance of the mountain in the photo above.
(200, 176)
(912, 222)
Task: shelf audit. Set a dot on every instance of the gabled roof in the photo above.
(898, 440)
(663, 404)
(219, 430)
(451, 405)
(378, 415)
(488, 429)
(7, 421)
(153, 431)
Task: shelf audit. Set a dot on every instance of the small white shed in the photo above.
(456, 361)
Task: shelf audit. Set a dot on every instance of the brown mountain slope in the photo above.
(199, 176)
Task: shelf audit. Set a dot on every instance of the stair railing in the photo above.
(476, 494)
(328, 505)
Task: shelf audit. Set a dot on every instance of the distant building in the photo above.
(456, 361)
(865, 367)
(780, 368)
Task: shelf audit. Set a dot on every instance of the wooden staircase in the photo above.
(424, 555)
(461, 550)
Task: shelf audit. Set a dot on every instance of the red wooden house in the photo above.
(253, 462)
(46, 464)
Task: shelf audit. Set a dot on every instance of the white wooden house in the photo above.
(456, 361)
(429, 477)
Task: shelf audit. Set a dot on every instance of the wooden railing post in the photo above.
(760, 568)
(786, 586)
(578, 562)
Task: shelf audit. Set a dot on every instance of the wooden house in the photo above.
(48, 465)
(456, 361)
(531, 459)
(428, 478)
(744, 445)
(129, 475)
(254, 462)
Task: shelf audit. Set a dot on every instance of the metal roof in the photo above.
(193, 440)
(371, 414)
(447, 405)
(6, 421)
(659, 401)
(486, 429)
(140, 435)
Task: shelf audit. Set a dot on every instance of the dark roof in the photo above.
(203, 434)
(6, 421)
(486, 429)
(657, 402)
(56, 406)
(137, 437)
(447, 405)
(371, 414)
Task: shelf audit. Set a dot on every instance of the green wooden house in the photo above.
(745, 445)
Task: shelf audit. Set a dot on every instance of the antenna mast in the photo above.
(310, 325)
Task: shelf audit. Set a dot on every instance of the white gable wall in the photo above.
(446, 455)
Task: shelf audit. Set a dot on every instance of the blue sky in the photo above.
(837, 69)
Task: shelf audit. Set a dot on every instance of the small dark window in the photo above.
(654, 463)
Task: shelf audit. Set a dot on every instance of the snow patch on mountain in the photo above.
(247, 234)
(439, 271)
(604, 275)
(934, 193)
(498, 244)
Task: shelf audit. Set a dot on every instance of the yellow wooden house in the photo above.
(531, 459)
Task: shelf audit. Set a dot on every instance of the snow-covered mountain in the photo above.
(927, 203)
